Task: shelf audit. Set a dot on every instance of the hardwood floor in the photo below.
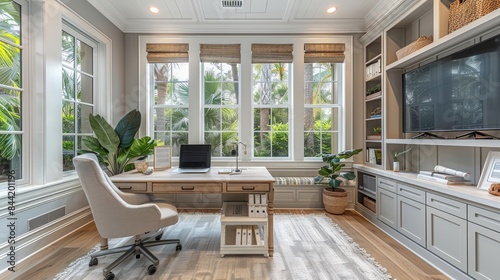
(400, 262)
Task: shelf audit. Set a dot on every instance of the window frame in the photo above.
(82, 37)
(296, 132)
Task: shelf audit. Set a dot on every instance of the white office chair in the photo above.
(118, 214)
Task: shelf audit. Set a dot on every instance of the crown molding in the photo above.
(383, 15)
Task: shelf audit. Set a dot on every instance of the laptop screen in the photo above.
(195, 156)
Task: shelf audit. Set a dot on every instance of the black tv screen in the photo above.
(456, 93)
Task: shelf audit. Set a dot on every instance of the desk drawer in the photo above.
(247, 187)
(187, 187)
(132, 187)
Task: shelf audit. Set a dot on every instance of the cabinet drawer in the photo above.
(387, 184)
(247, 187)
(187, 187)
(411, 192)
(484, 218)
(447, 205)
(132, 187)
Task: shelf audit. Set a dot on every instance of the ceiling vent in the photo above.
(232, 3)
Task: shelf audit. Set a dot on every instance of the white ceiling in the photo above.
(255, 16)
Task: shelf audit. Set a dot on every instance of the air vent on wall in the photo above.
(232, 3)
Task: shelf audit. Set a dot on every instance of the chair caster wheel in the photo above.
(109, 276)
(93, 261)
(178, 247)
(151, 269)
(138, 256)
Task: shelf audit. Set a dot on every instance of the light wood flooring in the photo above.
(400, 262)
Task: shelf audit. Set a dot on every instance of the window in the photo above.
(284, 98)
(12, 92)
(77, 92)
(220, 66)
(322, 98)
(271, 100)
(170, 93)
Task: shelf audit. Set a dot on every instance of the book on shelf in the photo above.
(443, 181)
(238, 236)
(442, 175)
(256, 231)
(250, 235)
(244, 235)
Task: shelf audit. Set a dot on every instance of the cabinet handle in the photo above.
(188, 188)
(124, 188)
(248, 188)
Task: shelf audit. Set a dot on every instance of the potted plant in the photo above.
(395, 163)
(118, 148)
(334, 197)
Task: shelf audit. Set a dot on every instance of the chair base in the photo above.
(138, 248)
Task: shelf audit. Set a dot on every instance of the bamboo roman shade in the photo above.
(272, 53)
(324, 53)
(230, 53)
(167, 53)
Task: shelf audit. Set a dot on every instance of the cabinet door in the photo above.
(447, 237)
(411, 220)
(484, 245)
(387, 207)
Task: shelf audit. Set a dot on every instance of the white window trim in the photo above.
(41, 148)
(195, 133)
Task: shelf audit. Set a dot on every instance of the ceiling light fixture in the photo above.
(154, 10)
(331, 10)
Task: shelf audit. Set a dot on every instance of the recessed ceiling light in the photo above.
(154, 10)
(331, 10)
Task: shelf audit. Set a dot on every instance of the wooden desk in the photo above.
(251, 180)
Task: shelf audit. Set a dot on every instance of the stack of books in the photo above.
(443, 178)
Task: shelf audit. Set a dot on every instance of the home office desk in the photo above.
(251, 180)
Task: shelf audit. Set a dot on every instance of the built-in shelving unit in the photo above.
(373, 103)
(243, 231)
(409, 209)
(424, 18)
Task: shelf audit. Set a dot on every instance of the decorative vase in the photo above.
(335, 200)
(395, 166)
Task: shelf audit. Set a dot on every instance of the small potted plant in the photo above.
(334, 197)
(395, 164)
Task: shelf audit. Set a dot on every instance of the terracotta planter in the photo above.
(335, 200)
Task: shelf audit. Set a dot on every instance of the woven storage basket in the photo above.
(463, 12)
(334, 202)
(370, 204)
(419, 43)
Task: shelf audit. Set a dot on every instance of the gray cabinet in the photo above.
(447, 237)
(387, 207)
(483, 243)
(411, 221)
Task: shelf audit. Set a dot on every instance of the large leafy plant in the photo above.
(332, 170)
(117, 148)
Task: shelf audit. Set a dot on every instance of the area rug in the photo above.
(305, 247)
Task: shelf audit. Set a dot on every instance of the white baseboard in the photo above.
(33, 241)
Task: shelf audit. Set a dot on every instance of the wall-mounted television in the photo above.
(460, 92)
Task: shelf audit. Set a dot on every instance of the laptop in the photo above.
(195, 158)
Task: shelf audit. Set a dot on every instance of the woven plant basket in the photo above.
(335, 201)
(463, 12)
(419, 43)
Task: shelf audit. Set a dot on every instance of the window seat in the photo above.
(303, 192)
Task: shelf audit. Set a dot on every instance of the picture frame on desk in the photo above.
(162, 157)
(491, 171)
